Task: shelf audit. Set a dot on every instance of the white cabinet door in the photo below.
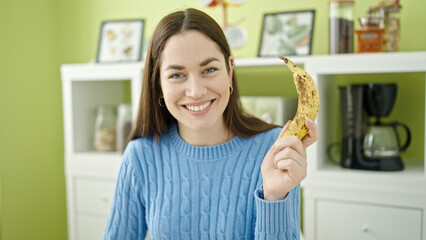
(94, 195)
(91, 228)
(94, 198)
(337, 220)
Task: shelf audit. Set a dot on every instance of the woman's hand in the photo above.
(284, 165)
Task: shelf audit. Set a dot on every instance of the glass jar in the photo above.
(392, 29)
(124, 125)
(341, 27)
(105, 128)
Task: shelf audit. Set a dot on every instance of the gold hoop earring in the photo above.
(160, 103)
(231, 89)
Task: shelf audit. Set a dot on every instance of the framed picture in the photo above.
(120, 41)
(287, 33)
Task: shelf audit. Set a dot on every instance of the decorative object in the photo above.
(287, 33)
(120, 41)
(208, 3)
(234, 33)
(234, 2)
(369, 40)
(387, 14)
(236, 36)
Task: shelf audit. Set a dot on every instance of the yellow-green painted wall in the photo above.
(31, 139)
(37, 36)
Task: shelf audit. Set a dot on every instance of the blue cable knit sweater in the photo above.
(180, 191)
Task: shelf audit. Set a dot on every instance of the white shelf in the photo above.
(348, 63)
(368, 63)
(101, 72)
(269, 61)
(332, 172)
(97, 155)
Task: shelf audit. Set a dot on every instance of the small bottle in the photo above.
(124, 125)
(341, 27)
(105, 128)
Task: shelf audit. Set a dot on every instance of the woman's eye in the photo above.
(210, 70)
(176, 76)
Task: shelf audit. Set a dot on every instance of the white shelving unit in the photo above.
(91, 175)
(338, 203)
(354, 204)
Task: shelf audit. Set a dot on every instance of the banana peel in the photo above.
(307, 99)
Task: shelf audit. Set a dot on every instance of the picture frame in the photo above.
(287, 33)
(121, 41)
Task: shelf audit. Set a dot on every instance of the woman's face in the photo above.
(195, 82)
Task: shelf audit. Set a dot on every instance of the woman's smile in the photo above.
(199, 108)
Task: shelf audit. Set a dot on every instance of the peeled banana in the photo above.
(307, 100)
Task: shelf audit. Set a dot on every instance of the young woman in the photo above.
(198, 167)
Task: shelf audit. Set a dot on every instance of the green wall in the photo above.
(31, 140)
(37, 36)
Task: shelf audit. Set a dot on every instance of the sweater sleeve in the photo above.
(127, 216)
(278, 219)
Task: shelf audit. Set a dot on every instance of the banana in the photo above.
(307, 99)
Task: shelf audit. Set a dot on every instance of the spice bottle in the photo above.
(341, 26)
(124, 125)
(105, 128)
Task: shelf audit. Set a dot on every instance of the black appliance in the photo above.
(367, 142)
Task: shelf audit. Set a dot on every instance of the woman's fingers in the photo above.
(289, 154)
(293, 169)
(289, 142)
(312, 135)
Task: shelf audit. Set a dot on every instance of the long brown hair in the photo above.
(153, 119)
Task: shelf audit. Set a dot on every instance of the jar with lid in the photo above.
(341, 27)
(124, 125)
(391, 27)
(105, 128)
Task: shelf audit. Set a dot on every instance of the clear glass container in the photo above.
(124, 125)
(392, 29)
(341, 27)
(381, 141)
(105, 128)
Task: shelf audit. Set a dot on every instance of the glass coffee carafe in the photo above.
(382, 140)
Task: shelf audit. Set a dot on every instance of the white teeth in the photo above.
(198, 108)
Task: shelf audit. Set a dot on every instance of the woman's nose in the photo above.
(195, 87)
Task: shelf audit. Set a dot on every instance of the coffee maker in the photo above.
(367, 142)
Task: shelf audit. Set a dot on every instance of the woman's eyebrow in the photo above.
(180, 67)
(174, 67)
(208, 60)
